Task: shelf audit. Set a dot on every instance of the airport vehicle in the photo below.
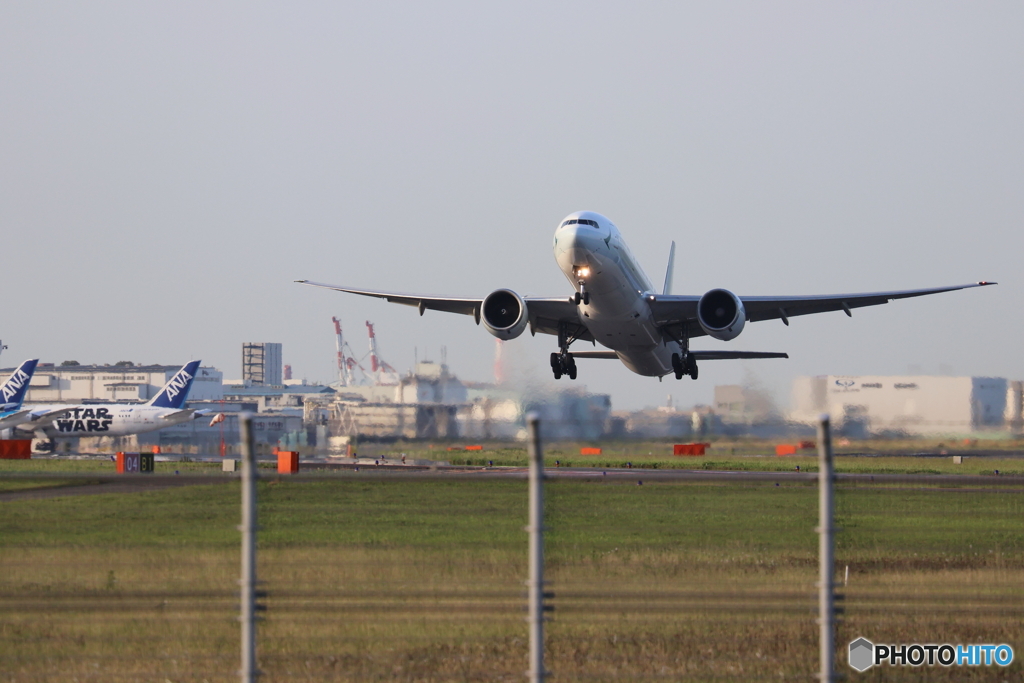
(616, 305)
(117, 419)
(12, 395)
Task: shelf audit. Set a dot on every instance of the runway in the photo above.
(75, 484)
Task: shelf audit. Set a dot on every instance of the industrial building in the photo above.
(262, 364)
(71, 382)
(911, 405)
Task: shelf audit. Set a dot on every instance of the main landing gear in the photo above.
(562, 362)
(684, 365)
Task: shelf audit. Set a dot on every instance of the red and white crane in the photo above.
(383, 374)
(380, 372)
(344, 369)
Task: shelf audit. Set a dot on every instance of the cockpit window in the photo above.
(581, 221)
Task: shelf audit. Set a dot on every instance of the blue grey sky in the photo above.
(169, 169)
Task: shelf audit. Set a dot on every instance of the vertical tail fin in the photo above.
(176, 390)
(671, 266)
(12, 392)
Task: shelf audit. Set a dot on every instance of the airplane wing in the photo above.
(434, 303)
(784, 307)
(42, 419)
(545, 312)
(674, 312)
(14, 419)
(178, 415)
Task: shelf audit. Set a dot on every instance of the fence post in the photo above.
(249, 672)
(826, 551)
(535, 584)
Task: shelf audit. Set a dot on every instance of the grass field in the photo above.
(422, 580)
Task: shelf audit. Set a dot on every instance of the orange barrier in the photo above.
(474, 448)
(590, 451)
(785, 449)
(689, 448)
(287, 462)
(16, 449)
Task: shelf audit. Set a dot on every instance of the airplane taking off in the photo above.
(12, 394)
(117, 419)
(616, 305)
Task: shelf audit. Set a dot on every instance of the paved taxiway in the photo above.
(71, 484)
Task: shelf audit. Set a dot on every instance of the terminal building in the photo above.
(910, 405)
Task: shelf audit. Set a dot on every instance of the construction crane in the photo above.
(344, 371)
(380, 373)
(346, 361)
(383, 374)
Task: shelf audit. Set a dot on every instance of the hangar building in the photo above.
(915, 405)
(70, 382)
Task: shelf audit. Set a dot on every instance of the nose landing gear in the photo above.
(582, 295)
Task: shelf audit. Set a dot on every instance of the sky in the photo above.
(170, 168)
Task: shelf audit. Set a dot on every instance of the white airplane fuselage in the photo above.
(593, 253)
(109, 419)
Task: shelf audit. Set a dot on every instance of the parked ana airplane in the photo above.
(12, 394)
(118, 419)
(616, 305)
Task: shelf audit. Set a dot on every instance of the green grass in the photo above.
(422, 580)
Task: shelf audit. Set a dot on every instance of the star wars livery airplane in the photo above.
(12, 394)
(117, 419)
(616, 305)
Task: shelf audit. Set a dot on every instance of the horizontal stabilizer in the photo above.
(734, 355)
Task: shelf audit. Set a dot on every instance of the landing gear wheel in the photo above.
(578, 298)
(586, 298)
(677, 366)
(693, 368)
(556, 365)
(570, 368)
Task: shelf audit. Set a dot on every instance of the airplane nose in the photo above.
(573, 237)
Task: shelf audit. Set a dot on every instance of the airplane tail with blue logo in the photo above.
(13, 391)
(176, 390)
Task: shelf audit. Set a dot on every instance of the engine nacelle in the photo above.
(504, 314)
(721, 314)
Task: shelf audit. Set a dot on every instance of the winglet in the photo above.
(176, 390)
(13, 390)
(668, 272)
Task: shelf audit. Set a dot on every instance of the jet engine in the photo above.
(721, 314)
(504, 314)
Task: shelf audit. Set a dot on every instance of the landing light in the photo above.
(583, 272)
